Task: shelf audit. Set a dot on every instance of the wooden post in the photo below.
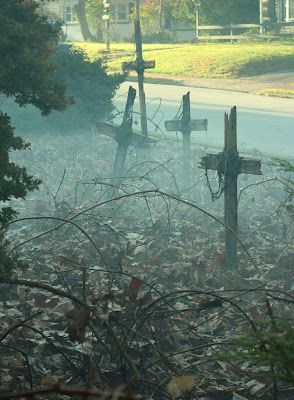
(197, 25)
(140, 70)
(186, 126)
(186, 130)
(231, 165)
(124, 133)
(106, 18)
(231, 157)
(261, 28)
(139, 66)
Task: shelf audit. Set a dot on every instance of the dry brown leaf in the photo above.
(180, 385)
(119, 391)
(77, 323)
(48, 379)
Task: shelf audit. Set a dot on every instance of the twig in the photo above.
(60, 184)
(48, 288)
(123, 351)
(18, 325)
(58, 388)
(30, 377)
(64, 221)
(140, 193)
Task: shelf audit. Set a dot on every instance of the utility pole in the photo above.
(197, 5)
(261, 19)
(106, 18)
(139, 66)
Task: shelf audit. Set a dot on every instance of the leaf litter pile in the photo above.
(130, 298)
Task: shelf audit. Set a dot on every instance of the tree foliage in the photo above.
(94, 12)
(210, 11)
(227, 11)
(14, 180)
(28, 75)
(26, 44)
(272, 347)
(88, 83)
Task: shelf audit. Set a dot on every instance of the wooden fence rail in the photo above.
(236, 36)
(229, 27)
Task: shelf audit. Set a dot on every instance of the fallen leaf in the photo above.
(180, 385)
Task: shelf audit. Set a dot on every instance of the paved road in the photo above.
(265, 124)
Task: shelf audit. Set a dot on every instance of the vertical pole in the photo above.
(123, 139)
(197, 23)
(140, 70)
(261, 30)
(61, 10)
(107, 36)
(160, 15)
(287, 7)
(231, 177)
(186, 130)
(119, 163)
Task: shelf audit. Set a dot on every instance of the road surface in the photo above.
(265, 124)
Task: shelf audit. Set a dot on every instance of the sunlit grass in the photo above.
(277, 92)
(97, 50)
(214, 60)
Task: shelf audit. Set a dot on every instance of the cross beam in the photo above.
(186, 125)
(230, 165)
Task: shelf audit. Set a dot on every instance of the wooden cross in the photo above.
(124, 136)
(186, 125)
(230, 165)
(139, 66)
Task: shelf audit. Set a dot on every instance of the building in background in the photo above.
(63, 11)
(289, 10)
(277, 10)
(121, 25)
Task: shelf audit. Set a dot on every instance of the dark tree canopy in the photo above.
(214, 12)
(227, 11)
(29, 76)
(14, 181)
(26, 44)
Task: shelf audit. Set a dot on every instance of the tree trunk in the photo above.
(80, 10)
(160, 15)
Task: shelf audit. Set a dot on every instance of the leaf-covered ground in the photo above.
(142, 301)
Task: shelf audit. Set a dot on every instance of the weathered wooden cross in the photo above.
(230, 165)
(186, 125)
(124, 136)
(139, 66)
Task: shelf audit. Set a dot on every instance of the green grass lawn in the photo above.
(211, 60)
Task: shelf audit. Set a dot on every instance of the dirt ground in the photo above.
(251, 84)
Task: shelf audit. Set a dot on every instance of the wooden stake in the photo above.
(231, 156)
(139, 66)
(186, 126)
(124, 137)
(186, 130)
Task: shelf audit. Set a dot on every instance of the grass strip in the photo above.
(210, 60)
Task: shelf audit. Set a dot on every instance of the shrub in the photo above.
(88, 83)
